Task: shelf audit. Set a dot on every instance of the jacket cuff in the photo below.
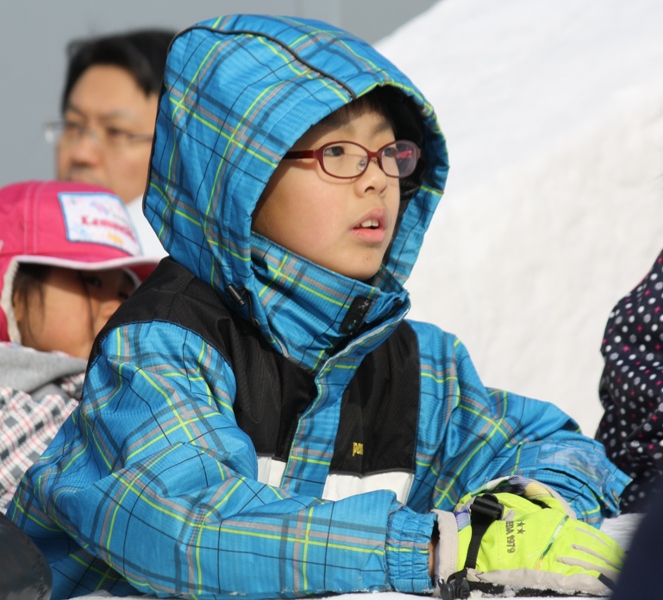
(406, 550)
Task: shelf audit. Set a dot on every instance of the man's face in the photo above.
(108, 103)
(345, 225)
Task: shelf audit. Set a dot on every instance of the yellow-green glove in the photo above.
(526, 538)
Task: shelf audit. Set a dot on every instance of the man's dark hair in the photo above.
(141, 53)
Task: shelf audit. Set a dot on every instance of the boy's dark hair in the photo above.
(141, 53)
(403, 116)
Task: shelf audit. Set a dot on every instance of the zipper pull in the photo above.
(237, 296)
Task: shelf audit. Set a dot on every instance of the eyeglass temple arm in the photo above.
(301, 154)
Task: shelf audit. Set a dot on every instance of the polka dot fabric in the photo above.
(631, 388)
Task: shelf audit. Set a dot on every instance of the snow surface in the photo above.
(553, 113)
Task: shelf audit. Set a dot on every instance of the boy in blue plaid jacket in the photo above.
(259, 419)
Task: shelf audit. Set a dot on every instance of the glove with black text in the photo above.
(521, 536)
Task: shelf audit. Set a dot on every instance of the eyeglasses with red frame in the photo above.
(348, 160)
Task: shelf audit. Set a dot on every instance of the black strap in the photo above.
(484, 511)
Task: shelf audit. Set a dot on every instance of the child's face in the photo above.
(72, 308)
(344, 225)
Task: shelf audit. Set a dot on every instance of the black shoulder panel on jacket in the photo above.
(380, 410)
(271, 391)
(378, 426)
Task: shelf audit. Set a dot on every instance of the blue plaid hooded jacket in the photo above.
(152, 486)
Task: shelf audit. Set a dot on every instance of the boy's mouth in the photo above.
(375, 219)
(370, 224)
(372, 227)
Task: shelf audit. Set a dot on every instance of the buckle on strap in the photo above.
(486, 506)
(456, 586)
(485, 510)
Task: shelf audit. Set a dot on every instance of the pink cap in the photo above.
(63, 224)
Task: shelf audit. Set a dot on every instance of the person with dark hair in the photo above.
(68, 258)
(109, 106)
(141, 53)
(260, 419)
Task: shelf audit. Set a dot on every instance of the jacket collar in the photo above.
(309, 313)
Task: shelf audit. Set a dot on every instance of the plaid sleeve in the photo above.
(470, 434)
(152, 476)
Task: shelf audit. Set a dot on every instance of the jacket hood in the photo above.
(239, 91)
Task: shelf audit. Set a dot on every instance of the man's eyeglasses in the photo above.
(347, 160)
(112, 138)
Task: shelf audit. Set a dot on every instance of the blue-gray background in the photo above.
(35, 33)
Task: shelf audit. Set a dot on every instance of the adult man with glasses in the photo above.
(109, 105)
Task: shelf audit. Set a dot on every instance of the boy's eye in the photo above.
(334, 151)
(123, 295)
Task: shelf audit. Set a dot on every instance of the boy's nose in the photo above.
(373, 177)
